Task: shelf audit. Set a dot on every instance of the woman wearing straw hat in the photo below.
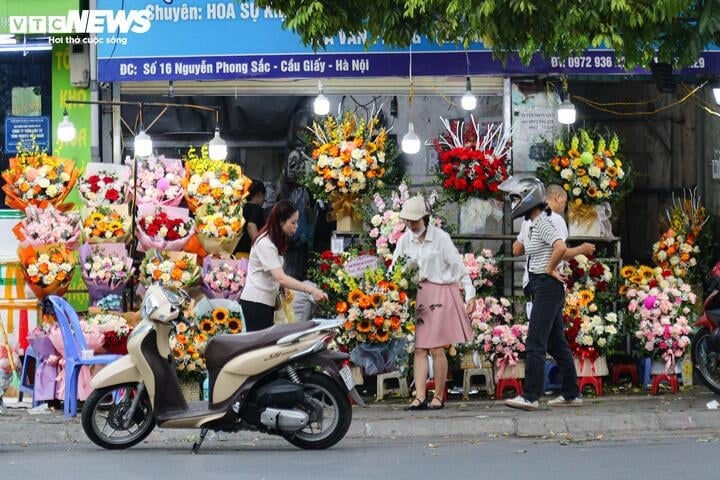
(442, 315)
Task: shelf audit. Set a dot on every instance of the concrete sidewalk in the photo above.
(611, 416)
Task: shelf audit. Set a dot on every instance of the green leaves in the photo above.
(675, 30)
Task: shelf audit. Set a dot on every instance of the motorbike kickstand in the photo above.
(196, 445)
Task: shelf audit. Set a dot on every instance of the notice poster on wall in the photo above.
(532, 126)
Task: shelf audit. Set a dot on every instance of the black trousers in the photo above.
(258, 316)
(546, 335)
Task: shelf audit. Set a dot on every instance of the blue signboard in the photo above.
(223, 40)
(23, 130)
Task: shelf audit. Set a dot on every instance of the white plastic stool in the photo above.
(382, 390)
(471, 373)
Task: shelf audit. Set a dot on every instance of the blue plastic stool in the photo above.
(553, 378)
(27, 385)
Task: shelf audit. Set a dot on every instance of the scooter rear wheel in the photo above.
(103, 417)
(706, 361)
(330, 414)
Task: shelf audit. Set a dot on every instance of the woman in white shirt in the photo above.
(442, 316)
(265, 274)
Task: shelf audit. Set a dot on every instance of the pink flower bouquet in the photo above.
(223, 278)
(46, 226)
(501, 341)
(663, 316)
(160, 181)
(104, 184)
(483, 270)
(163, 228)
(105, 268)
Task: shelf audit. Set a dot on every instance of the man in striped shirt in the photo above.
(545, 250)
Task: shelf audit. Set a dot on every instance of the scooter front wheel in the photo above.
(105, 420)
(330, 414)
(706, 361)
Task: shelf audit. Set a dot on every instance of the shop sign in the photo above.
(224, 40)
(23, 130)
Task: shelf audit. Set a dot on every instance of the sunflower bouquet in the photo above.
(174, 270)
(217, 183)
(219, 229)
(36, 178)
(104, 184)
(106, 224)
(48, 269)
(217, 316)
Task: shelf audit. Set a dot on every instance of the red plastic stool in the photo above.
(595, 382)
(663, 377)
(430, 385)
(627, 369)
(505, 383)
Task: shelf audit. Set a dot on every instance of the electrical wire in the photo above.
(652, 112)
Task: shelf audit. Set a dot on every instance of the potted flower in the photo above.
(501, 341)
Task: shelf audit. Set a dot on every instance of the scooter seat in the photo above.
(222, 348)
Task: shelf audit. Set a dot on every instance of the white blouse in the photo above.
(436, 259)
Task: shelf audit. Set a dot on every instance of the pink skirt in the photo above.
(442, 319)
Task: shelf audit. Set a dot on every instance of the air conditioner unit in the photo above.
(80, 65)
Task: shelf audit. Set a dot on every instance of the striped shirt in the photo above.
(542, 235)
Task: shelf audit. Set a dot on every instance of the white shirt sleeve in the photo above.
(268, 254)
(452, 256)
(523, 234)
(560, 226)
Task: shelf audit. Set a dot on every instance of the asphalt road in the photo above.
(441, 458)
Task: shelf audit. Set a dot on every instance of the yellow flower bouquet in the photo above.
(106, 224)
(211, 182)
(219, 229)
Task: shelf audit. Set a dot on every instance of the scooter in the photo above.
(705, 345)
(282, 381)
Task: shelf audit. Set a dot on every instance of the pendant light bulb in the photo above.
(321, 105)
(66, 129)
(217, 148)
(468, 101)
(411, 142)
(566, 113)
(143, 144)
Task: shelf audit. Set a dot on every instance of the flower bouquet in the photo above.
(163, 228)
(223, 278)
(483, 270)
(106, 224)
(172, 269)
(94, 340)
(216, 316)
(160, 181)
(104, 184)
(219, 229)
(47, 269)
(46, 362)
(188, 348)
(105, 268)
(115, 331)
(215, 183)
(387, 226)
(348, 159)
(503, 344)
(663, 314)
(473, 159)
(45, 226)
(35, 178)
(678, 247)
(592, 173)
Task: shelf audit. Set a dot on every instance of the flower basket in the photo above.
(191, 390)
(349, 224)
(658, 367)
(475, 213)
(503, 370)
(481, 361)
(589, 220)
(467, 362)
(587, 368)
